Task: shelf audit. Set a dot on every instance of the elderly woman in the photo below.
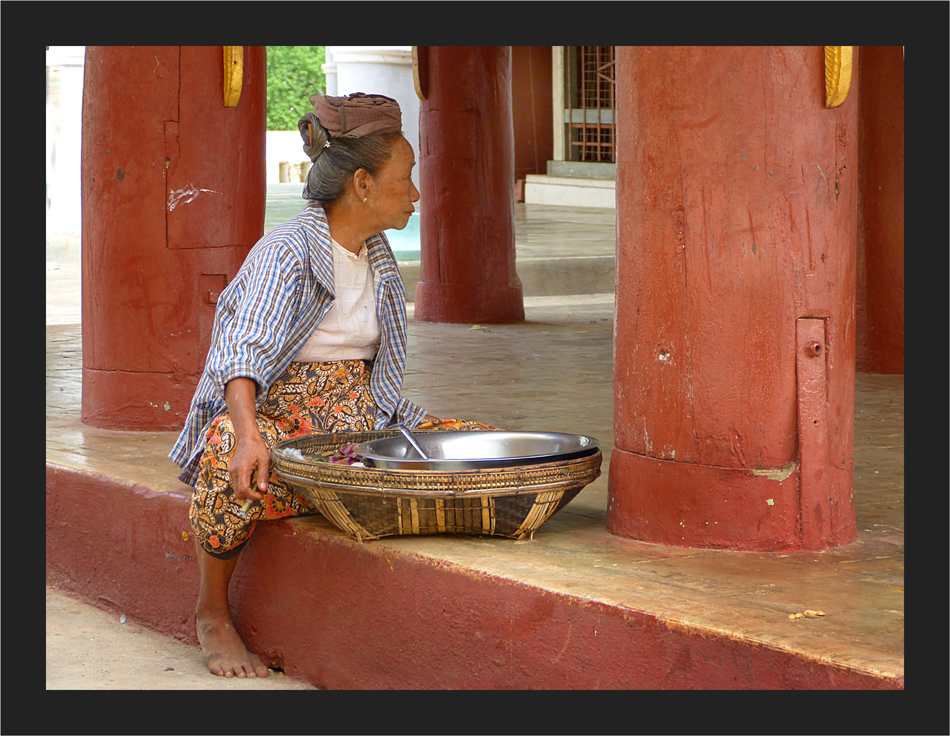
(309, 337)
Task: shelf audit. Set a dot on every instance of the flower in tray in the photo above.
(294, 454)
(347, 455)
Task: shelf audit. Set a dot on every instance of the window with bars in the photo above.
(590, 83)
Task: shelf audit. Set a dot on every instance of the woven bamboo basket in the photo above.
(370, 503)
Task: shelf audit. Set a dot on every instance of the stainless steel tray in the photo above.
(474, 450)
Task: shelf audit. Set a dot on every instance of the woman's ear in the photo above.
(362, 183)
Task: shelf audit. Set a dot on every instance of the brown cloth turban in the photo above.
(356, 115)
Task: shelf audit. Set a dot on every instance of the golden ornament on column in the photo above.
(837, 73)
(233, 74)
(420, 71)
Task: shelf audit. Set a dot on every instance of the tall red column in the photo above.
(466, 179)
(735, 294)
(173, 197)
(880, 305)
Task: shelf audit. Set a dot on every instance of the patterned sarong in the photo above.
(309, 398)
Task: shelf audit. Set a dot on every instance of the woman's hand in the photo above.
(251, 461)
(250, 453)
(429, 422)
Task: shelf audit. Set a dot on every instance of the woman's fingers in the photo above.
(263, 471)
(249, 470)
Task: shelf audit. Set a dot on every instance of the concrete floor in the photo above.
(91, 649)
(554, 372)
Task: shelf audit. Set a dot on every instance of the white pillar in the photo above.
(378, 70)
(558, 56)
(329, 69)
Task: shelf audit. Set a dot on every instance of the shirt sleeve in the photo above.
(408, 413)
(250, 337)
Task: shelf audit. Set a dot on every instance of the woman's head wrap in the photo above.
(353, 116)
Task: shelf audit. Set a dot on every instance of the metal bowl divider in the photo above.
(475, 450)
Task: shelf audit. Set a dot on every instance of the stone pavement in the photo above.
(91, 649)
(554, 372)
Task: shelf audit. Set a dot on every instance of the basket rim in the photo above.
(504, 481)
(587, 476)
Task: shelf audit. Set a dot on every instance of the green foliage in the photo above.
(293, 74)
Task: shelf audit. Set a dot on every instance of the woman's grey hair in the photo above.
(340, 158)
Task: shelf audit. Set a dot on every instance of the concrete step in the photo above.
(566, 275)
(570, 191)
(432, 612)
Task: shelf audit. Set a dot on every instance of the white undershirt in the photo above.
(350, 331)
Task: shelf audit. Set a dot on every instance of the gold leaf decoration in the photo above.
(838, 63)
(233, 74)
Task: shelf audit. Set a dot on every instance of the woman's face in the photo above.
(392, 191)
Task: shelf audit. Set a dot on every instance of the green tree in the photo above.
(293, 74)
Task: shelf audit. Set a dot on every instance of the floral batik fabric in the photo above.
(456, 425)
(308, 398)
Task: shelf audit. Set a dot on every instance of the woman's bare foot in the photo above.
(224, 651)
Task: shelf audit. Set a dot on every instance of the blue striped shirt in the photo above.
(282, 291)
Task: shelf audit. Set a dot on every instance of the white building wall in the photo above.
(64, 76)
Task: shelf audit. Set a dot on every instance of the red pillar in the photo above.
(466, 177)
(880, 305)
(736, 198)
(533, 118)
(173, 197)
